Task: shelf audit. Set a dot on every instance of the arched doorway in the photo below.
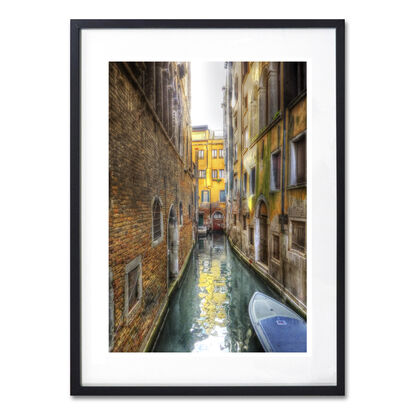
(217, 221)
(172, 246)
(262, 233)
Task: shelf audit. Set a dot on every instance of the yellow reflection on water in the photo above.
(214, 299)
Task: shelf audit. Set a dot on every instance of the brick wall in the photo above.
(143, 164)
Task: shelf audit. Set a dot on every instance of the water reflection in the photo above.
(209, 311)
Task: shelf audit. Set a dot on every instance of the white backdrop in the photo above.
(34, 163)
(318, 365)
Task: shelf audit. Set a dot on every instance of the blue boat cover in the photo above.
(285, 334)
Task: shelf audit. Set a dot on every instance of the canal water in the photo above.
(209, 311)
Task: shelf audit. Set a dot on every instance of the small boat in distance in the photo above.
(279, 329)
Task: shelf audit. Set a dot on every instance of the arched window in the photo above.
(157, 220)
(263, 99)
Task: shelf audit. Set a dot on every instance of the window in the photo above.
(221, 153)
(235, 186)
(214, 174)
(222, 196)
(245, 183)
(214, 154)
(244, 222)
(157, 222)
(201, 154)
(298, 235)
(205, 195)
(221, 174)
(251, 235)
(276, 246)
(202, 174)
(276, 170)
(180, 213)
(295, 79)
(252, 181)
(234, 220)
(298, 168)
(217, 215)
(133, 285)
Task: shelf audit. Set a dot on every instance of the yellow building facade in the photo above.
(209, 156)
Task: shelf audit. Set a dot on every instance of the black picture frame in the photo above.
(76, 387)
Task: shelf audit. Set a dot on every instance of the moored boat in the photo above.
(279, 329)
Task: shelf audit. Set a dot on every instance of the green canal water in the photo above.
(209, 311)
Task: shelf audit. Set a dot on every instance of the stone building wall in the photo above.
(149, 159)
(269, 119)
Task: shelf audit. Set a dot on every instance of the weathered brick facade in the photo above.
(149, 159)
(265, 123)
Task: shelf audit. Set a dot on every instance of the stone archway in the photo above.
(172, 246)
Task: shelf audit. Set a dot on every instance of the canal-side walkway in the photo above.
(209, 310)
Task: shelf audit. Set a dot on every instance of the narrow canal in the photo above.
(209, 311)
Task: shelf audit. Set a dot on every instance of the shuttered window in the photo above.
(276, 171)
(298, 161)
(133, 291)
(276, 246)
(298, 235)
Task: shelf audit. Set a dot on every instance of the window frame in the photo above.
(214, 153)
(294, 249)
(273, 187)
(203, 154)
(129, 314)
(276, 259)
(220, 196)
(202, 176)
(293, 142)
(156, 241)
(208, 196)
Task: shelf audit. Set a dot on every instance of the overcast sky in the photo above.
(208, 78)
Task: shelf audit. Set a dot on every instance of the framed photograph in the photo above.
(207, 207)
